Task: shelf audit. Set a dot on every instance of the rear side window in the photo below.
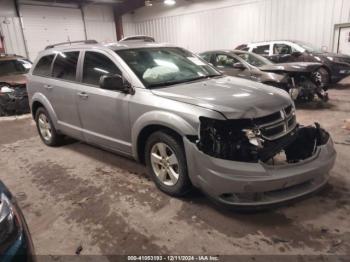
(262, 50)
(97, 65)
(65, 66)
(43, 67)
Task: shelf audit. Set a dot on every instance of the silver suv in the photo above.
(236, 140)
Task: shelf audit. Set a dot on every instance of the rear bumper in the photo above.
(257, 184)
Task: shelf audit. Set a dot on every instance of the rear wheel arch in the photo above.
(35, 106)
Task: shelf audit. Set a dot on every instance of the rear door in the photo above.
(224, 63)
(104, 113)
(62, 90)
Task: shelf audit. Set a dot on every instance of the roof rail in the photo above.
(72, 42)
(138, 38)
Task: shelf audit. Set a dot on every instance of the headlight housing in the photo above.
(7, 219)
(229, 139)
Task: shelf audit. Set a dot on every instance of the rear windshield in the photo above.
(14, 67)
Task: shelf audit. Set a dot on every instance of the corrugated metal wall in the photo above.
(203, 25)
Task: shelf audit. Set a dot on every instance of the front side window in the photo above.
(14, 67)
(97, 65)
(206, 57)
(225, 61)
(254, 60)
(262, 50)
(164, 66)
(282, 49)
(65, 65)
(43, 67)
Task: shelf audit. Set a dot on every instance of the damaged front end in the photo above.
(13, 100)
(273, 139)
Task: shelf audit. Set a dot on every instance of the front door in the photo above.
(104, 113)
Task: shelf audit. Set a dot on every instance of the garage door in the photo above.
(45, 25)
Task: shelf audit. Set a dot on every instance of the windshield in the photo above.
(254, 60)
(308, 47)
(164, 66)
(14, 67)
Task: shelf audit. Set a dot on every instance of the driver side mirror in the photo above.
(115, 83)
(239, 66)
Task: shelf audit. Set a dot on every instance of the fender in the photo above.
(38, 97)
(166, 119)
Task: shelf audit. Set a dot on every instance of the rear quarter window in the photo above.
(43, 67)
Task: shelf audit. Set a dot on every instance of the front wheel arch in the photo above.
(146, 132)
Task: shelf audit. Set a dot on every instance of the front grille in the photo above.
(278, 124)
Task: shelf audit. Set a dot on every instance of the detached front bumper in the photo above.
(257, 184)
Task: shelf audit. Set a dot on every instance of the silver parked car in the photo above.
(236, 140)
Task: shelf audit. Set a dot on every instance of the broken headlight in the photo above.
(234, 140)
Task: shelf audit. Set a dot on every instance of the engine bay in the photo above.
(242, 140)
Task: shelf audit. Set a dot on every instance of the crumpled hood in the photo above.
(20, 79)
(291, 67)
(236, 98)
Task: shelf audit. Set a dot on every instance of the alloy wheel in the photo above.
(45, 127)
(165, 164)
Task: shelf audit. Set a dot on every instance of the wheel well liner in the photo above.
(36, 105)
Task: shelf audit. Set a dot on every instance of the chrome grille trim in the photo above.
(286, 122)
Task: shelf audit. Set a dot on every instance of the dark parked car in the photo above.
(13, 93)
(334, 68)
(295, 78)
(15, 241)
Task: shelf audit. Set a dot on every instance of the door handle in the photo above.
(48, 87)
(83, 95)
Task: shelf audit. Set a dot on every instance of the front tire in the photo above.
(322, 77)
(166, 163)
(46, 129)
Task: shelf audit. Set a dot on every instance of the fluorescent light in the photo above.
(148, 3)
(169, 2)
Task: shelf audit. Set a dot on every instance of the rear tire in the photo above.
(166, 164)
(46, 129)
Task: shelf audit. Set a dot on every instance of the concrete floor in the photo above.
(80, 195)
